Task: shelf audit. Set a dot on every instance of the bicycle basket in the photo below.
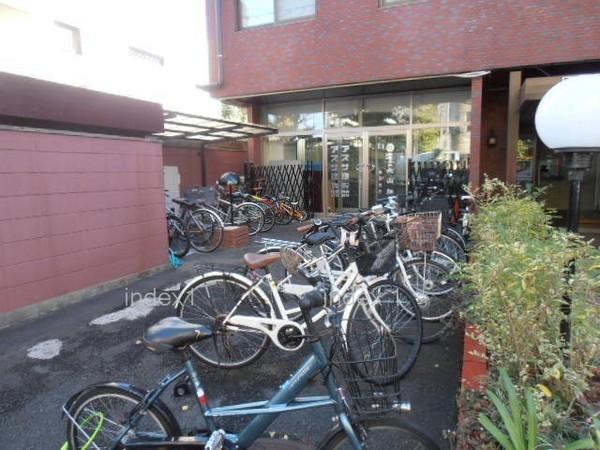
(419, 231)
(377, 262)
(291, 259)
(365, 361)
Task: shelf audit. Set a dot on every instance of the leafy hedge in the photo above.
(520, 272)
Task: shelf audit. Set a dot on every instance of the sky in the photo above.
(173, 29)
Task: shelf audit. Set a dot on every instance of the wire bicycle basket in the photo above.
(364, 359)
(291, 259)
(419, 231)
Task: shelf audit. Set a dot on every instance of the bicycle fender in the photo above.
(134, 390)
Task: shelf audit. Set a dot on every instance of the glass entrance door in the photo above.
(388, 169)
(344, 163)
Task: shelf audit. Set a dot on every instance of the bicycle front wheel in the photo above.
(178, 241)
(269, 217)
(399, 311)
(205, 230)
(250, 215)
(103, 413)
(389, 433)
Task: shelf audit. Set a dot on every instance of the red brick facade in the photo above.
(357, 41)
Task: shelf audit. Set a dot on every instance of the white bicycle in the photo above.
(248, 312)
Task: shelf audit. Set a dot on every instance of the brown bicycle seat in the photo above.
(304, 228)
(256, 261)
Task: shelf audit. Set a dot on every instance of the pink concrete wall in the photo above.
(76, 211)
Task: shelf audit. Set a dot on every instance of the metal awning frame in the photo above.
(208, 129)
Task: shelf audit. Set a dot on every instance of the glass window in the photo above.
(291, 148)
(442, 107)
(262, 12)
(442, 144)
(294, 9)
(343, 113)
(387, 111)
(294, 116)
(256, 12)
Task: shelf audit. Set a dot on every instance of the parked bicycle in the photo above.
(250, 311)
(359, 391)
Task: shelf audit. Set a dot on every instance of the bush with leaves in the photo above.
(520, 273)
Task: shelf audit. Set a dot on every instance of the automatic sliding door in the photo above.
(343, 164)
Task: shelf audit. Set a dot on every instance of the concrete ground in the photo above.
(95, 341)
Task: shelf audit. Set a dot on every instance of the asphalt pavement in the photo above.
(95, 341)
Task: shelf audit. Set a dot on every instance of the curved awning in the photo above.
(180, 126)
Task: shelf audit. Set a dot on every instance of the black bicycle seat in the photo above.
(320, 237)
(174, 333)
(184, 202)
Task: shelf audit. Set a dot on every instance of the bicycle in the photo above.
(203, 227)
(249, 318)
(179, 243)
(243, 214)
(136, 418)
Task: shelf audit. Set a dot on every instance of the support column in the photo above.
(512, 120)
(254, 144)
(476, 127)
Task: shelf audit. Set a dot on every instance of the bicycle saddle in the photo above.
(320, 237)
(183, 202)
(173, 333)
(258, 261)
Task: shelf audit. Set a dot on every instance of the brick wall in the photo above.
(76, 211)
(355, 41)
(218, 160)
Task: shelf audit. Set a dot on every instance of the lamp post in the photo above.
(568, 121)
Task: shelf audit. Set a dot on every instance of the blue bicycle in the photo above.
(360, 380)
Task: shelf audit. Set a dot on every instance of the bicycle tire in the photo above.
(456, 235)
(219, 308)
(159, 414)
(452, 248)
(176, 235)
(250, 215)
(269, 217)
(408, 436)
(417, 270)
(396, 316)
(210, 230)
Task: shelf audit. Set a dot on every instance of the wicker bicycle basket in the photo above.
(419, 231)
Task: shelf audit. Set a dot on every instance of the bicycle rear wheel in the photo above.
(390, 433)
(208, 302)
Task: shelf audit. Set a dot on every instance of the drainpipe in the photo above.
(218, 21)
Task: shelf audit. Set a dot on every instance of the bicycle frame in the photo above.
(285, 400)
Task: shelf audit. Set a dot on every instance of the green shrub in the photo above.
(520, 273)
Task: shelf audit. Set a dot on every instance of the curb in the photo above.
(475, 368)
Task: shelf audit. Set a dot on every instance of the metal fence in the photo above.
(298, 181)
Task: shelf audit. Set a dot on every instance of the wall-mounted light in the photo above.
(492, 140)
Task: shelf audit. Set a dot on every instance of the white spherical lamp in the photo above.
(568, 116)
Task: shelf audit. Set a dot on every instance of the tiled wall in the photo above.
(76, 211)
